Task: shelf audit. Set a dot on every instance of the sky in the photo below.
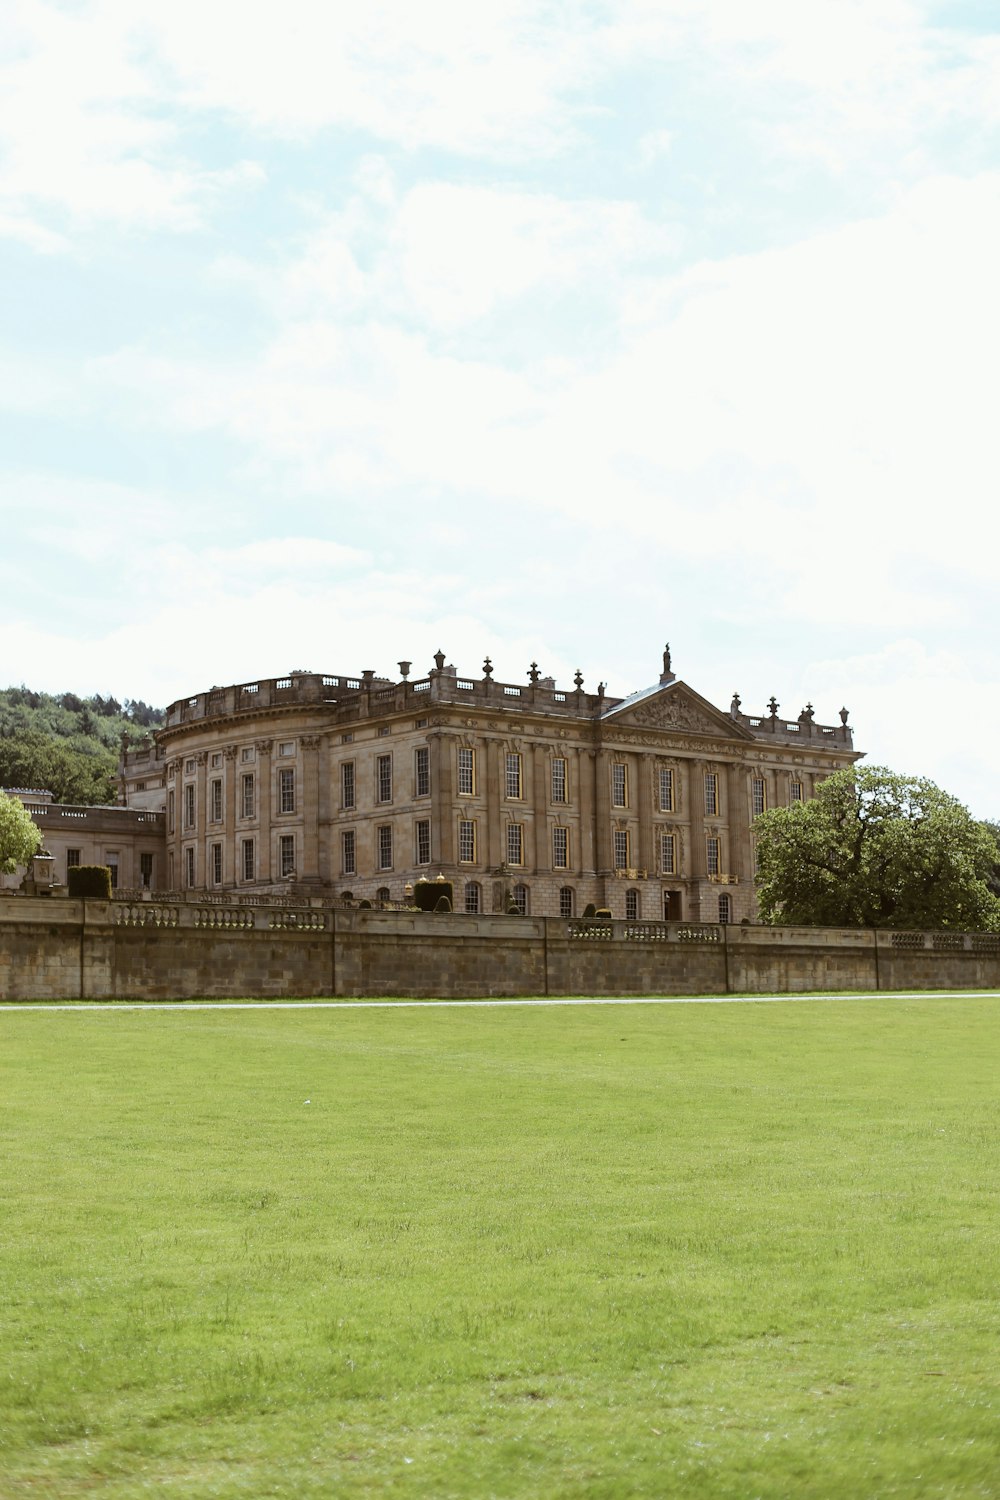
(332, 335)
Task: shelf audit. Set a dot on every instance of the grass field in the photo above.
(705, 1250)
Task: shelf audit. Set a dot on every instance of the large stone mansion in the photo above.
(553, 798)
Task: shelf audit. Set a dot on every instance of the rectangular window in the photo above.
(72, 858)
(467, 842)
(795, 791)
(347, 853)
(146, 870)
(559, 780)
(712, 855)
(216, 761)
(189, 807)
(632, 906)
(249, 863)
(711, 794)
(515, 843)
(668, 854)
(170, 811)
(513, 781)
(725, 910)
(286, 854)
(383, 779)
(560, 848)
(566, 901)
(189, 867)
(247, 803)
(287, 747)
(666, 789)
(246, 754)
(466, 773)
(189, 768)
(472, 895)
(619, 785)
(621, 848)
(423, 842)
(758, 795)
(215, 800)
(384, 837)
(286, 791)
(347, 784)
(422, 772)
(112, 864)
(216, 864)
(383, 731)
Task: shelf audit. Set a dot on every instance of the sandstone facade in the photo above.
(357, 787)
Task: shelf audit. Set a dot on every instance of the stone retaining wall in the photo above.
(150, 950)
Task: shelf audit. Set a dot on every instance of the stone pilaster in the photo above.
(264, 748)
(200, 821)
(539, 791)
(645, 855)
(310, 808)
(230, 849)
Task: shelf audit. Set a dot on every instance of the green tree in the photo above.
(873, 849)
(19, 836)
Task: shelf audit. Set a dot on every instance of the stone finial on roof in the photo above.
(734, 707)
(533, 672)
(666, 675)
(843, 716)
(404, 669)
(439, 659)
(487, 668)
(772, 706)
(578, 679)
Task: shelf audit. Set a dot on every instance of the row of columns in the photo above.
(589, 772)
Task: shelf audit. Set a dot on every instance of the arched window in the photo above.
(520, 895)
(566, 901)
(725, 909)
(382, 894)
(631, 906)
(347, 895)
(473, 896)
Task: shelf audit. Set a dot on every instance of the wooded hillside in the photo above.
(67, 744)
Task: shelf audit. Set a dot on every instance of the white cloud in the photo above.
(924, 711)
(83, 132)
(98, 102)
(813, 411)
(481, 79)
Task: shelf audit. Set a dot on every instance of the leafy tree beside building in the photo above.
(875, 849)
(19, 836)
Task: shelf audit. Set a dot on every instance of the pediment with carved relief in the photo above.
(677, 707)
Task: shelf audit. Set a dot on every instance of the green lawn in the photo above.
(703, 1250)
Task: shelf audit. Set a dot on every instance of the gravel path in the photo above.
(188, 1005)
